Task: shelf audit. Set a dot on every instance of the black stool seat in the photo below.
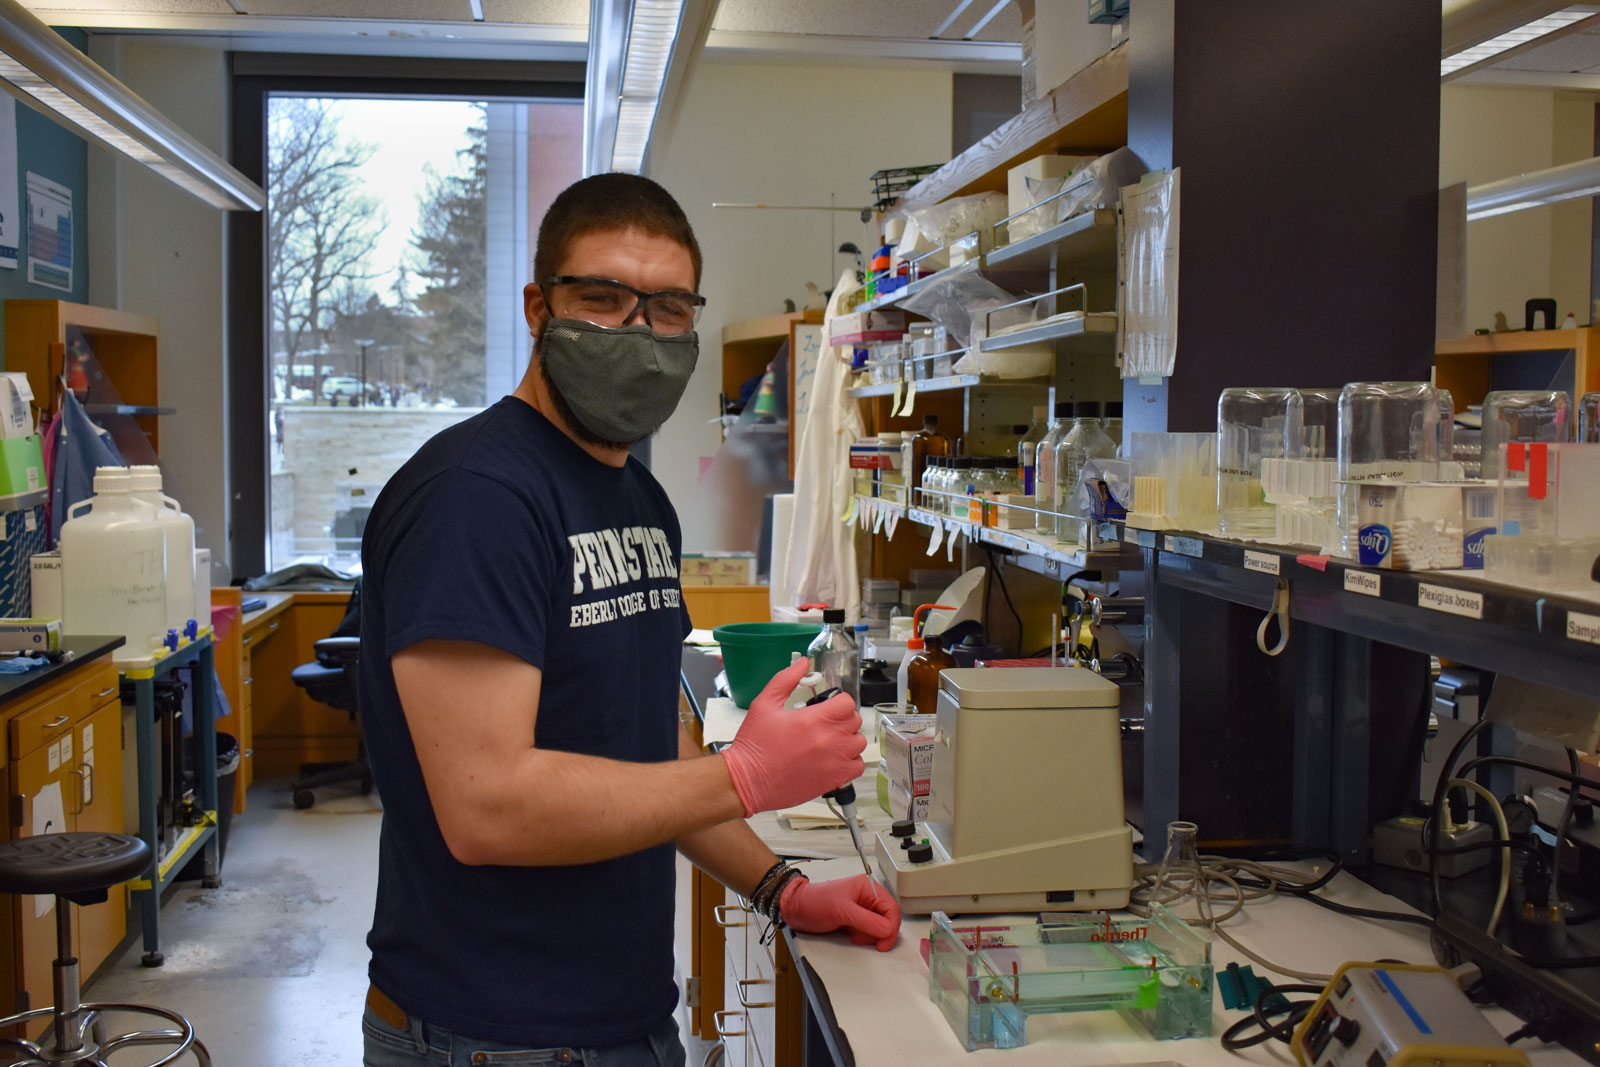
(70, 863)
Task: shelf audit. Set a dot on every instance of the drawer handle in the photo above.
(107, 691)
(720, 914)
(249, 680)
(273, 625)
(59, 720)
(83, 778)
(741, 983)
(744, 905)
(716, 1022)
(246, 642)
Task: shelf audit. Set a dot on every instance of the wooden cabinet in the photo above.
(125, 346)
(715, 605)
(64, 749)
(760, 1024)
(240, 657)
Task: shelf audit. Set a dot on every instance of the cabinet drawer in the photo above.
(62, 706)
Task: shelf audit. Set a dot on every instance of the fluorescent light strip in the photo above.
(1511, 39)
(652, 33)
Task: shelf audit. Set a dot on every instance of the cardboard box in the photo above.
(34, 635)
(1415, 526)
(23, 532)
(21, 465)
(45, 585)
(1037, 168)
(907, 746)
(864, 327)
(903, 805)
(717, 568)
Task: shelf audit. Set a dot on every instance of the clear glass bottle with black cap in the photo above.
(1083, 441)
(1044, 468)
(834, 654)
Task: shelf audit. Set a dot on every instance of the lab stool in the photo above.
(79, 868)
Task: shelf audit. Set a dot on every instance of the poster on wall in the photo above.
(49, 233)
(10, 213)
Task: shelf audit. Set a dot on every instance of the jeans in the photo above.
(427, 1045)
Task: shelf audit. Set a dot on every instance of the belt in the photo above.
(379, 1004)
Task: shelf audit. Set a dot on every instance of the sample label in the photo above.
(1130, 535)
(1582, 627)
(53, 756)
(1450, 601)
(1185, 546)
(1264, 562)
(1362, 582)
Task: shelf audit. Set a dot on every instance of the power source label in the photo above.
(1263, 562)
(1363, 582)
(1581, 627)
(1450, 601)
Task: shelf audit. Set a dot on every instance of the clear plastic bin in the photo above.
(1388, 431)
(1525, 415)
(1253, 424)
(1174, 481)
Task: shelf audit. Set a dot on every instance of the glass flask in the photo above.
(1252, 424)
(1083, 441)
(1180, 884)
(1044, 468)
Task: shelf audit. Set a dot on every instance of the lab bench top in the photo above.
(85, 650)
(873, 1007)
(276, 604)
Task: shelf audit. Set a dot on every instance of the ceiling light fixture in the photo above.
(1555, 22)
(42, 70)
(652, 34)
(1536, 189)
(641, 54)
(477, 9)
(981, 23)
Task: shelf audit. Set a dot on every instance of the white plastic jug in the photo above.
(113, 567)
(179, 530)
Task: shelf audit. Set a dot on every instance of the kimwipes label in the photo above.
(1450, 601)
(1363, 582)
(1582, 627)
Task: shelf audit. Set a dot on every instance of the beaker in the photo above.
(1181, 884)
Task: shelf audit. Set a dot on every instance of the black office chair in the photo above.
(331, 679)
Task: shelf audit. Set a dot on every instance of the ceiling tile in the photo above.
(42, 8)
(538, 12)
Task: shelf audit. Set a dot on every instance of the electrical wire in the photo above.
(1563, 829)
(1446, 772)
(1505, 836)
(1260, 1018)
(994, 573)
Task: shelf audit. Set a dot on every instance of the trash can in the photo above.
(227, 770)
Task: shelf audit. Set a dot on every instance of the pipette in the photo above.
(845, 800)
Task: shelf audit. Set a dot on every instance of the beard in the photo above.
(570, 417)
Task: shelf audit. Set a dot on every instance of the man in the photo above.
(521, 637)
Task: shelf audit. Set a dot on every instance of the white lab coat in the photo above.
(821, 562)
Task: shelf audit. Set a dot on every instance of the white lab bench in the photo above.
(869, 1008)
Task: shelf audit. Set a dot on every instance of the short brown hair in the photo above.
(610, 202)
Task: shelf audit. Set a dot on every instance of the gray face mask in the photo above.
(622, 383)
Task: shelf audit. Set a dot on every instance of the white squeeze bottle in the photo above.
(113, 567)
(179, 531)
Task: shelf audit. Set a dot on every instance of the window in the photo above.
(399, 234)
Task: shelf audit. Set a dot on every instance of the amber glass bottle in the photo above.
(922, 676)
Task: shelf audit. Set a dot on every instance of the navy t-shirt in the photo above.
(502, 531)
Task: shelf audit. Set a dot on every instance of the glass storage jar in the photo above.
(1252, 424)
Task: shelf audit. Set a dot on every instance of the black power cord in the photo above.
(1237, 1037)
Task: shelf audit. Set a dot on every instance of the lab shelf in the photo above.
(936, 385)
(1095, 327)
(1033, 552)
(1090, 238)
(1544, 637)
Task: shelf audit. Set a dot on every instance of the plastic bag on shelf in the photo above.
(1094, 186)
(950, 220)
(915, 244)
(958, 300)
(1116, 475)
(1037, 219)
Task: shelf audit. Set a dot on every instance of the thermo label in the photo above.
(1582, 627)
(1362, 582)
(1450, 601)
(1265, 562)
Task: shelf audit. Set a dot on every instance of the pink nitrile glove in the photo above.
(857, 904)
(782, 757)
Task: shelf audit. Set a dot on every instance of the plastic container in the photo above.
(1174, 481)
(1112, 423)
(1252, 424)
(1589, 418)
(113, 567)
(1524, 415)
(752, 652)
(1388, 431)
(179, 530)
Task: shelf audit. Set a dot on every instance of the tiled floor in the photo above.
(272, 967)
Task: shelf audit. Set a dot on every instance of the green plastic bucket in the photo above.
(752, 652)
